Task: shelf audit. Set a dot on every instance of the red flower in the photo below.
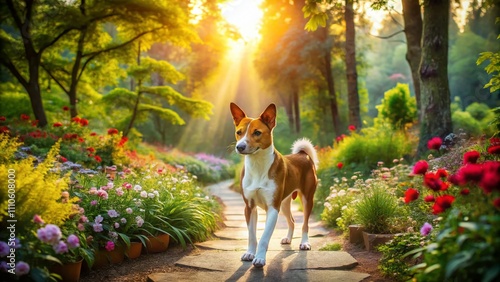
(435, 143)
(496, 203)
(494, 141)
(420, 167)
(494, 150)
(112, 131)
(351, 128)
(25, 117)
(123, 141)
(34, 123)
(57, 124)
(340, 165)
(84, 122)
(75, 119)
(471, 157)
(63, 159)
(432, 181)
(457, 179)
(65, 108)
(2, 118)
(4, 129)
(338, 139)
(81, 140)
(442, 204)
(490, 179)
(442, 173)
(93, 134)
(429, 198)
(465, 192)
(411, 195)
(98, 159)
(90, 149)
(471, 172)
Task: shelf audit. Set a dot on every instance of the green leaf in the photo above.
(457, 261)
(432, 268)
(492, 274)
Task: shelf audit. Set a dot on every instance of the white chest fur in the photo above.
(257, 185)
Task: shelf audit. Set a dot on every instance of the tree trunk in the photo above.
(332, 95)
(75, 73)
(350, 61)
(413, 31)
(435, 99)
(296, 110)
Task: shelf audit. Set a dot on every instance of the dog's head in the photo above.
(253, 134)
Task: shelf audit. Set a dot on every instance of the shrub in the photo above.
(376, 210)
(398, 107)
(464, 121)
(478, 110)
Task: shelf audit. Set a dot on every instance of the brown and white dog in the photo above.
(269, 180)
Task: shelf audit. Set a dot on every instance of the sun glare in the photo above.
(245, 15)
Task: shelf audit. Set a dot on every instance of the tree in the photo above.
(435, 93)
(350, 61)
(26, 35)
(147, 99)
(96, 49)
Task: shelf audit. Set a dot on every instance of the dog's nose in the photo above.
(241, 147)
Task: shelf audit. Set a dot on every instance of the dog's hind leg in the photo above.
(287, 212)
(307, 205)
(251, 218)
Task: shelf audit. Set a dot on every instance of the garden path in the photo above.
(221, 259)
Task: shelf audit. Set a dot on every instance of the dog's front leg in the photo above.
(251, 218)
(271, 219)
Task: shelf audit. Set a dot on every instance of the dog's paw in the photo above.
(286, 241)
(258, 262)
(305, 246)
(247, 257)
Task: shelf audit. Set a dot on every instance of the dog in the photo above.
(270, 180)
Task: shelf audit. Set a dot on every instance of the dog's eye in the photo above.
(238, 132)
(257, 133)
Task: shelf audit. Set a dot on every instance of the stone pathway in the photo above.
(221, 259)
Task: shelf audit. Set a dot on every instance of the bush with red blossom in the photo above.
(435, 143)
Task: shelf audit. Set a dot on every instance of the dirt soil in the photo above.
(138, 269)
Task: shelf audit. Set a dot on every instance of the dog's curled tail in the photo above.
(305, 145)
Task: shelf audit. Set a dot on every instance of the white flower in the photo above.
(98, 219)
(144, 194)
(129, 211)
(151, 195)
(137, 188)
(139, 221)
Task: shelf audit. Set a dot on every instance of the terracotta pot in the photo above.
(105, 258)
(356, 233)
(157, 244)
(134, 251)
(69, 272)
(373, 240)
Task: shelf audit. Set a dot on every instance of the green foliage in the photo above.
(376, 210)
(397, 107)
(464, 121)
(478, 110)
(493, 68)
(394, 262)
(331, 247)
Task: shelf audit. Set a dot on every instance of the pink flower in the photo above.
(73, 241)
(98, 219)
(139, 221)
(490, 179)
(471, 172)
(119, 191)
(144, 194)
(435, 143)
(22, 268)
(465, 192)
(127, 185)
(93, 191)
(38, 219)
(102, 194)
(496, 203)
(429, 198)
(426, 229)
(351, 128)
(93, 202)
(110, 246)
(420, 167)
(117, 225)
(60, 248)
(494, 150)
(129, 210)
(81, 227)
(50, 234)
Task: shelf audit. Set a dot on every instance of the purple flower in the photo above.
(4, 249)
(112, 213)
(17, 243)
(60, 248)
(73, 241)
(110, 246)
(4, 267)
(98, 219)
(117, 225)
(98, 227)
(22, 268)
(426, 229)
(50, 234)
(93, 202)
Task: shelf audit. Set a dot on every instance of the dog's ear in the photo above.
(269, 116)
(238, 114)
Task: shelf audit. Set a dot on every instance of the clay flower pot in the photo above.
(69, 272)
(134, 251)
(158, 243)
(105, 258)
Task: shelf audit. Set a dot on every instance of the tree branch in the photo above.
(54, 78)
(388, 36)
(12, 68)
(16, 17)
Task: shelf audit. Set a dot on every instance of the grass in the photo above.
(331, 247)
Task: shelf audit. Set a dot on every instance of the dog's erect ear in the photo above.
(238, 114)
(269, 116)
